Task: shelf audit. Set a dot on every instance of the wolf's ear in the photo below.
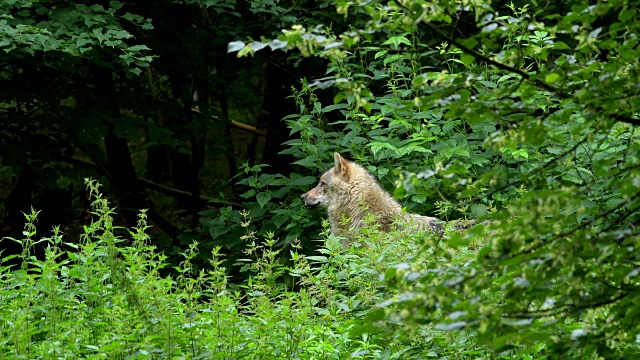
(341, 165)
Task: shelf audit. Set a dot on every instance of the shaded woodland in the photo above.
(164, 128)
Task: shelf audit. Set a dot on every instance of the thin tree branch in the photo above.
(156, 187)
(524, 74)
(238, 124)
(180, 193)
(564, 234)
(525, 314)
(481, 57)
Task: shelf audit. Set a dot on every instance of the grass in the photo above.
(107, 299)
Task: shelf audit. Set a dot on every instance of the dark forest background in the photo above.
(143, 96)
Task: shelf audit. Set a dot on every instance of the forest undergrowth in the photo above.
(104, 296)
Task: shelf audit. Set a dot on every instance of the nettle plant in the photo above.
(528, 119)
(103, 296)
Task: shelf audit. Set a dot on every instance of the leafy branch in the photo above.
(523, 74)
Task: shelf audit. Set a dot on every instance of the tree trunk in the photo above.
(221, 65)
(277, 105)
(130, 194)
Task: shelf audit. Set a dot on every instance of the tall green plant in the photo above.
(104, 297)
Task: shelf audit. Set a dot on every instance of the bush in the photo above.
(106, 298)
(522, 115)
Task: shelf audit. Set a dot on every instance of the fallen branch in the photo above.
(238, 124)
(163, 189)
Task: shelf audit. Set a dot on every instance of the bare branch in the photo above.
(157, 187)
(180, 193)
(526, 314)
(238, 124)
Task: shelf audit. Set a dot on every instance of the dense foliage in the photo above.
(105, 300)
(521, 115)
(528, 121)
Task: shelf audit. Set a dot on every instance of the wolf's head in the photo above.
(330, 185)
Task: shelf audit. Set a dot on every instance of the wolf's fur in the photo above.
(349, 191)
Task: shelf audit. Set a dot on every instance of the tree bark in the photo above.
(277, 106)
(130, 194)
(221, 65)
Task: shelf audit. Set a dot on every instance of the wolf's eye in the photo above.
(322, 183)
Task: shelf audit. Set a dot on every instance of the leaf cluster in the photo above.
(528, 120)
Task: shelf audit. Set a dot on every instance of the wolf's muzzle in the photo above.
(307, 203)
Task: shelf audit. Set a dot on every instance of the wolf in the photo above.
(349, 193)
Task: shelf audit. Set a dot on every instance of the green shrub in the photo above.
(106, 298)
(523, 115)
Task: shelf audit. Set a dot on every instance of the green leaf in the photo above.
(462, 152)
(263, 198)
(329, 108)
(489, 84)
(551, 78)
(490, 27)
(235, 46)
(279, 220)
(317, 259)
(138, 48)
(572, 177)
(303, 181)
(254, 45)
(277, 44)
(467, 59)
(116, 5)
(380, 53)
(97, 32)
(392, 58)
(397, 40)
(594, 34)
(627, 14)
(478, 210)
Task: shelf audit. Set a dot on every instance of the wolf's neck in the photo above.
(372, 199)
